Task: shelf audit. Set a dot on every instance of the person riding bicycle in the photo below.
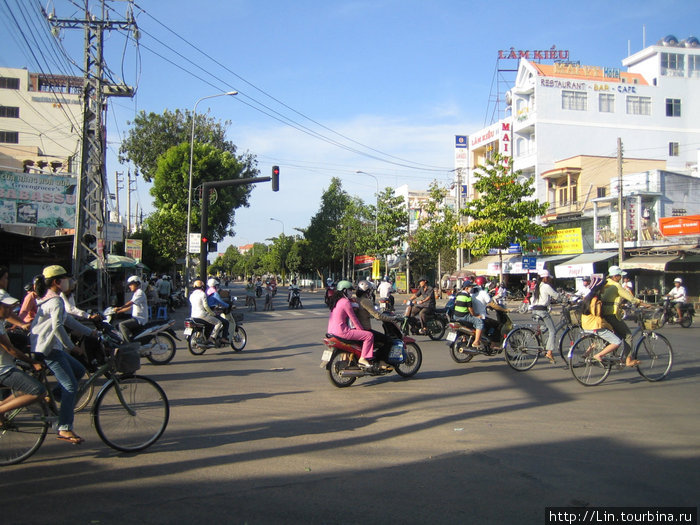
(250, 295)
(25, 388)
(542, 295)
(214, 300)
(612, 296)
(365, 312)
(591, 320)
(138, 305)
(465, 313)
(201, 312)
(677, 296)
(424, 302)
(343, 322)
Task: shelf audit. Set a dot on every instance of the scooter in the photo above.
(156, 338)
(460, 336)
(386, 304)
(341, 356)
(197, 341)
(435, 323)
(294, 300)
(670, 314)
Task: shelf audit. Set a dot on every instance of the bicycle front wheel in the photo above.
(131, 413)
(521, 349)
(585, 369)
(567, 340)
(655, 355)
(22, 433)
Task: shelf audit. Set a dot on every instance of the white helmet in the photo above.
(365, 285)
(329, 281)
(133, 279)
(212, 283)
(678, 280)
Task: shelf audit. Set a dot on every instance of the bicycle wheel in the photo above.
(584, 368)
(567, 340)
(163, 349)
(239, 338)
(655, 355)
(84, 400)
(23, 432)
(136, 424)
(521, 349)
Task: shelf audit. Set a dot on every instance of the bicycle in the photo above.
(524, 344)
(652, 349)
(130, 412)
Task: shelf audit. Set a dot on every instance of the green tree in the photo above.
(503, 213)
(392, 223)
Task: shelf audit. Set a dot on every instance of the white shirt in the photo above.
(384, 289)
(677, 295)
(139, 308)
(200, 307)
(69, 303)
(479, 302)
(547, 294)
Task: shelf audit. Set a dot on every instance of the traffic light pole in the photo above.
(203, 248)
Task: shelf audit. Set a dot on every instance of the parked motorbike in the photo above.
(670, 314)
(177, 298)
(156, 338)
(341, 355)
(197, 342)
(460, 336)
(294, 300)
(435, 323)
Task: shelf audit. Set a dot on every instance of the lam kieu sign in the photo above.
(33, 199)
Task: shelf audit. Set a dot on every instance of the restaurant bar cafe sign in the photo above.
(33, 199)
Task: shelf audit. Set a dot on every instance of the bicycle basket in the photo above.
(575, 316)
(238, 317)
(652, 320)
(127, 358)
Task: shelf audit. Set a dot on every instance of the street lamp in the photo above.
(189, 191)
(273, 219)
(376, 212)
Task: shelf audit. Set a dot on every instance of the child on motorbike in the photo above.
(339, 323)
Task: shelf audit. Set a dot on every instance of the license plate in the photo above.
(326, 357)
(451, 336)
(188, 331)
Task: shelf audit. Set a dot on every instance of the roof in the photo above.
(587, 73)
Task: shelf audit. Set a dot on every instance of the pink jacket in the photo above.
(338, 321)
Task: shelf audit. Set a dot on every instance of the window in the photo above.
(606, 103)
(9, 112)
(673, 149)
(574, 100)
(602, 191)
(673, 107)
(9, 137)
(9, 83)
(638, 105)
(672, 64)
(694, 65)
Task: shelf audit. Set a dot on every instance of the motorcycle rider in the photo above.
(201, 312)
(365, 312)
(215, 300)
(424, 302)
(138, 305)
(677, 296)
(293, 288)
(385, 290)
(341, 318)
(465, 313)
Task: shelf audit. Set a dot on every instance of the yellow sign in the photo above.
(376, 271)
(562, 242)
(401, 282)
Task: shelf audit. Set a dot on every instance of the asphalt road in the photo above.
(262, 436)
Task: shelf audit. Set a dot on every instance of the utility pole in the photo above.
(90, 212)
(117, 187)
(620, 202)
(128, 202)
(460, 253)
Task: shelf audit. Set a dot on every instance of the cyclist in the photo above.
(612, 296)
(27, 388)
(27, 311)
(425, 302)
(542, 295)
(365, 312)
(250, 295)
(677, 296)
(339, 323)
(138, 305)
(203, 313)
(214, 300)
(465, 312)
(592, 320)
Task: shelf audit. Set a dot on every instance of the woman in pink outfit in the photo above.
(342, 315)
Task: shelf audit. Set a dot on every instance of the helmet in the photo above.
(586, 279)
(198, 284)
(344, 285)
(54, 271)
(480, 281)
(329, 281)
(163, 276)
(678, 280)
(212, 283)
(616, 270)
(134, 279)
(422, 278)
(544, 273)
(467, 284)
(365, 285)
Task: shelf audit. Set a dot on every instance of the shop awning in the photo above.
(543, 262)
(649, 262)
(581, 265)
(482, 266)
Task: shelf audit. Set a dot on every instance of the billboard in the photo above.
(683, 225)
(33, 199)
(562, 242)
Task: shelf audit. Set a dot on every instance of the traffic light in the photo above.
(275, 178)
(209, 245)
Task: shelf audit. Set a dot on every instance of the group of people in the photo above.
(470, 306)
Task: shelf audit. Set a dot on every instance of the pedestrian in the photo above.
(268, 296)
(250, 295)
(627, 284)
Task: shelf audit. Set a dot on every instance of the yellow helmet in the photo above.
(198, 284)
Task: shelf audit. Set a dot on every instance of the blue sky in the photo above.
(393, 81)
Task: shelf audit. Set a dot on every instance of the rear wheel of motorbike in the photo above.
(163, 349)
(686, 321)
(521, 349)
(458, 353)
(196, 343)
(339, 362)
(239, 339)
(436, 329)
(411, 365)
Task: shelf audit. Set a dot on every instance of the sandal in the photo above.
(634, 362)
(73, 439)
(550, 358)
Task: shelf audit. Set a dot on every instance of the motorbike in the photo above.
(670, 315)
(435, 323)
(330, 290)
(460, 336)
(156, 338)
(386, 304)
(294, 300)
(177, 298)
(341, 355)
(197, 342)
(258, 289)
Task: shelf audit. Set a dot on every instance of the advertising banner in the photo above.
(134, 249)
(32, 199)
(683, 225)
(363, 259)
(563, 242)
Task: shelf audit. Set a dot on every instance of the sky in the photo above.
(327, 89)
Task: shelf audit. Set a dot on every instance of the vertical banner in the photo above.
(401, 284)
(505, 143)
(376, 271)
(134, 249)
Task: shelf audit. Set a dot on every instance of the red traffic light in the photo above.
(275, 179)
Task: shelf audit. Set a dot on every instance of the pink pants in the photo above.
(367, 339)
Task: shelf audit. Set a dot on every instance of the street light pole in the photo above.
(273, 219)
(376, 213)
(189, 191)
